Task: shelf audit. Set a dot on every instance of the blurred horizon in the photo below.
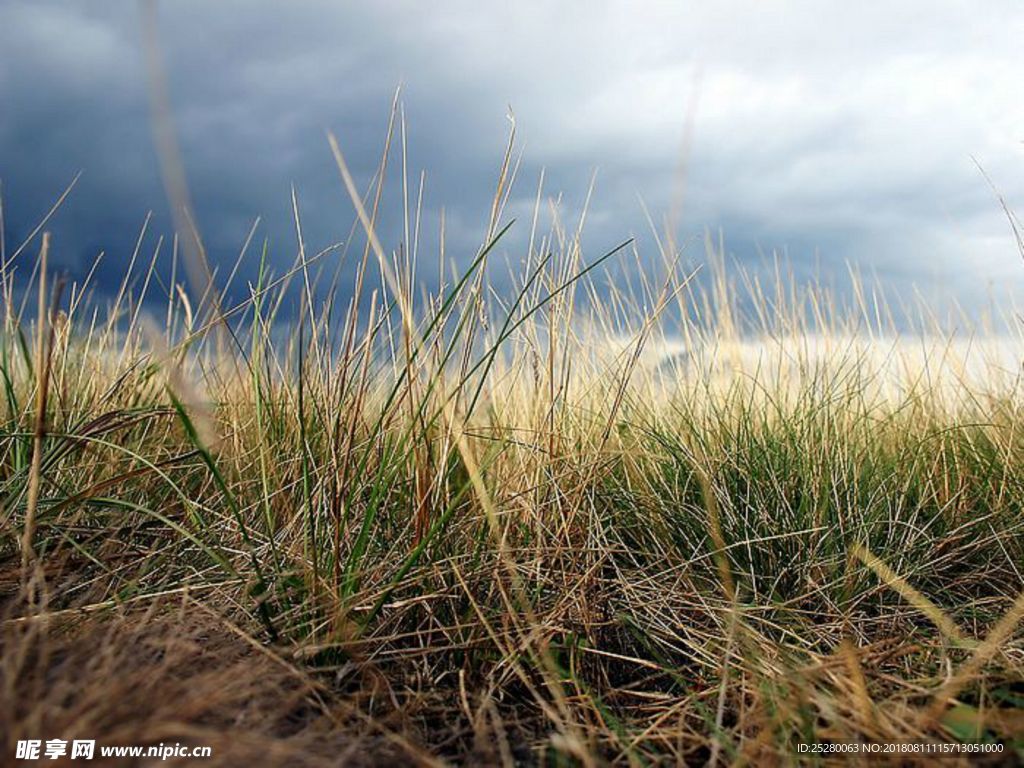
(830, 137)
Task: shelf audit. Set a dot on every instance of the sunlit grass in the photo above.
(581, 521)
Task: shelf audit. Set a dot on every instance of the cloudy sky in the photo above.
(832, 132)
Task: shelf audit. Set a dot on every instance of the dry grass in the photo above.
(580, 523)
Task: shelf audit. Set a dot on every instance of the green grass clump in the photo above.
(570, 525)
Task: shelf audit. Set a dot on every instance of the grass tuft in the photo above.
(685, 517)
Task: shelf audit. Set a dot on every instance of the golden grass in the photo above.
(677, 519)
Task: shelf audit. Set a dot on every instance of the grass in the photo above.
(581, 523)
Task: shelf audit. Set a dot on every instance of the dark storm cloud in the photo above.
(834, 133)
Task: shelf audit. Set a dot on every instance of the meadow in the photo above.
(692, 517)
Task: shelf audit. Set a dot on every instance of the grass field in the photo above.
(668, 520)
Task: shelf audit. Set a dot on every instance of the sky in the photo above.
(832, 133)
